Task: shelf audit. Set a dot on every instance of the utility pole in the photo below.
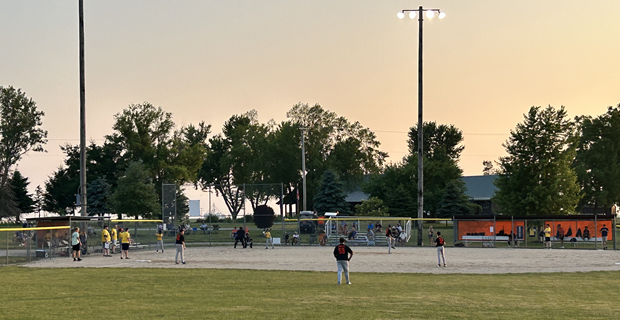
(303, 165)
(83, 191)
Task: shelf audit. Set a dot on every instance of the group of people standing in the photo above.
(585, 235)
(109, 241)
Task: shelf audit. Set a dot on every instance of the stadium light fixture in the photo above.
(430, 13)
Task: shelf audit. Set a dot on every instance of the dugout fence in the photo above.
(567, 231)
(22, 245)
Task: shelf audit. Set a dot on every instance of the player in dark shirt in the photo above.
(180, 247)
(341, 253)
(240, 237)
(604, 232)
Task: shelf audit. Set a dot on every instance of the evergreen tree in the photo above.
(99, 192)
(39, 200)
(19, 186)
(8, 206)
(401, 202)
(536, 177)
(454, 200)
(135, 194)
(330, 195)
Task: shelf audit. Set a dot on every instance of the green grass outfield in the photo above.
(110, 293)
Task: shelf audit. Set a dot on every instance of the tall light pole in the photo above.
(83, 192)
(430, 13)
(303, 165)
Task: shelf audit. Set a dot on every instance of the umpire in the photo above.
(341, 253)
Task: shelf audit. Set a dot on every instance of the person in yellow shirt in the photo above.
(125, 239)
(269, 239)
(547, 232)
(114, 236)
(105, 240)
(160, 240)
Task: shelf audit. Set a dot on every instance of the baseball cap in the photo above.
(343, 240)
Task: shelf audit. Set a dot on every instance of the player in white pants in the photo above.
(441, 252)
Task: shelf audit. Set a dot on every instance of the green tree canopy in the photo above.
(135, 194)
(373, 207)
(536, 177)
(20, 129)
(333, 142)
(398, 185)
(597, 162)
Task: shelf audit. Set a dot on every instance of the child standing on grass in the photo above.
(441, 252)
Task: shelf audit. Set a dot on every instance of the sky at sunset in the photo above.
(485, 64)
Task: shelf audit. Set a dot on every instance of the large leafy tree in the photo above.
(20, 129)
(147, 134)
(135, 193)
(332, 142)
(373, 207)
(330, 195)
(60, 191)
(597, 162)
(225, 166)
(536, 177)
(397, 186)
(104, 162)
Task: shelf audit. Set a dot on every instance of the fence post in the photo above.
(494, 231)
(595, 231)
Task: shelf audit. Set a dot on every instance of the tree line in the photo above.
(554, 164)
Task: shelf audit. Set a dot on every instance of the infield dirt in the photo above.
(365, 259)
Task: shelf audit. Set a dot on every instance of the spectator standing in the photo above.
(389, 238)
(240, 236)
(269, 239)
(114, 236)
(343, 255)
(441, 252)
(75, 243)
(547, 233)
(560, 235)
(160, 240)
(105, 240)
(604, 233)
(431, 234)
(125, 240)
(180, 246)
